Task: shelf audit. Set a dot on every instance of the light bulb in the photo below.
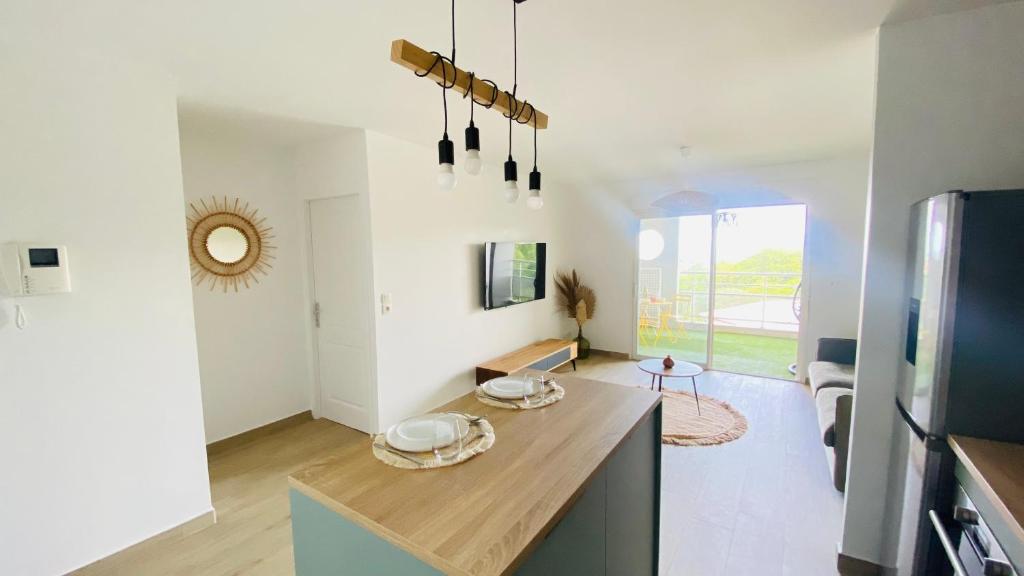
(446, 177)
(511, 181)
(534, 201)
(511, 191)
(445, 164)
(473, 163)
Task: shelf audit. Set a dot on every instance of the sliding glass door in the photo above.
(722, 290)
(674, 288)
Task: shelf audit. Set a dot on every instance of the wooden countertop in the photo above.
(485, 516)
(998, 468)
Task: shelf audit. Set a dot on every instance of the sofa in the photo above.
(830, 377)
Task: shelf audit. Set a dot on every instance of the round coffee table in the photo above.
(656, 369)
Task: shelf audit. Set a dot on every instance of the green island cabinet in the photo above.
(568, 489)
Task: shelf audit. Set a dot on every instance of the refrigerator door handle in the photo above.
(947, 544)
(910, 421)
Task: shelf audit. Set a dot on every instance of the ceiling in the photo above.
(740, 82)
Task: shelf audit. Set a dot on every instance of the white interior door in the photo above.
(341, 289)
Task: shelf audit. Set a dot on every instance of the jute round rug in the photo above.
(717, 423)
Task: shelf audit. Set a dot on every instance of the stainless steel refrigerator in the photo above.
(963, 355)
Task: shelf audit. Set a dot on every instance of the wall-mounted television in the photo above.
(513, 273)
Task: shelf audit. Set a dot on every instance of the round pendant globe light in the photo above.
(652, 244)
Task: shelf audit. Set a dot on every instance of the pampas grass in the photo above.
(576, 299)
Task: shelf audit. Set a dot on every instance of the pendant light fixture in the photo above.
(511, 172)
(473, 163)
(534, 201)
(447, 75)
(446, 180)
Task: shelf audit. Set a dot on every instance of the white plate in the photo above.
(417, 434)
(510, 387)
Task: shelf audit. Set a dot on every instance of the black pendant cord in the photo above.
(473, 101)
(444, 76)
(515, 45)
(515, 75)
(510, 137)
(444, 102)
(444, 83)
(534, 146)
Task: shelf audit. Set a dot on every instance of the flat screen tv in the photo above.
(513, 273)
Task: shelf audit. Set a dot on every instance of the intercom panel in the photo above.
(32, 269)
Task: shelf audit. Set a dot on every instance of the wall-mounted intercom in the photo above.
(30, 269)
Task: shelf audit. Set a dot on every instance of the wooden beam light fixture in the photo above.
(411, 56)
(485, 93)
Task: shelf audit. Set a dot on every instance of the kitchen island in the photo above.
(992, 475)
(571, 488)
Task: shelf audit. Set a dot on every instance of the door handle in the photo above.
(316, 313)
(993, 567)
(965, 515)
(947, 545)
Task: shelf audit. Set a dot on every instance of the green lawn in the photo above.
(742, 353)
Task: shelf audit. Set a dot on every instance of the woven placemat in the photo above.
(552, 393)
(478, 440)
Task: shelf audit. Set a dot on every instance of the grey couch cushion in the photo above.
(826, 404)
(829, 375)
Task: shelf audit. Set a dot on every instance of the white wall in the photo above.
(253, 344)
(602, 246)
(836, 201)
(427, 247)
(949, 115)
(101, 414)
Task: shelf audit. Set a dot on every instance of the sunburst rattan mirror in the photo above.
(228, 243)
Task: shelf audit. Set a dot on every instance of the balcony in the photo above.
(756, 320)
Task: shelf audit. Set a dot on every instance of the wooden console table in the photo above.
(545, 355)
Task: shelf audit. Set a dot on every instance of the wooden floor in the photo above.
(250, 493)
(761, 505)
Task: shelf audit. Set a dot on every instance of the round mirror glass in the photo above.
(227, 245)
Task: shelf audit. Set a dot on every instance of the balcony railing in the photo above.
(524, 275)
(761, 301)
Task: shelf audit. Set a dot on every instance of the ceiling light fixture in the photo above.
(511, 171)
(445, 148)
(534, 201)
(481, 92)
(473, 162)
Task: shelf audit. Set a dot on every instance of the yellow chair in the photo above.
(648, 320)
(656, 315)
(686, 300)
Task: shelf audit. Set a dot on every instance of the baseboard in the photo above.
(610, 354)
(115, 563)
(853, 566)
(221, 446)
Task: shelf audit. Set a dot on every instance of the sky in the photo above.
(755, 229)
